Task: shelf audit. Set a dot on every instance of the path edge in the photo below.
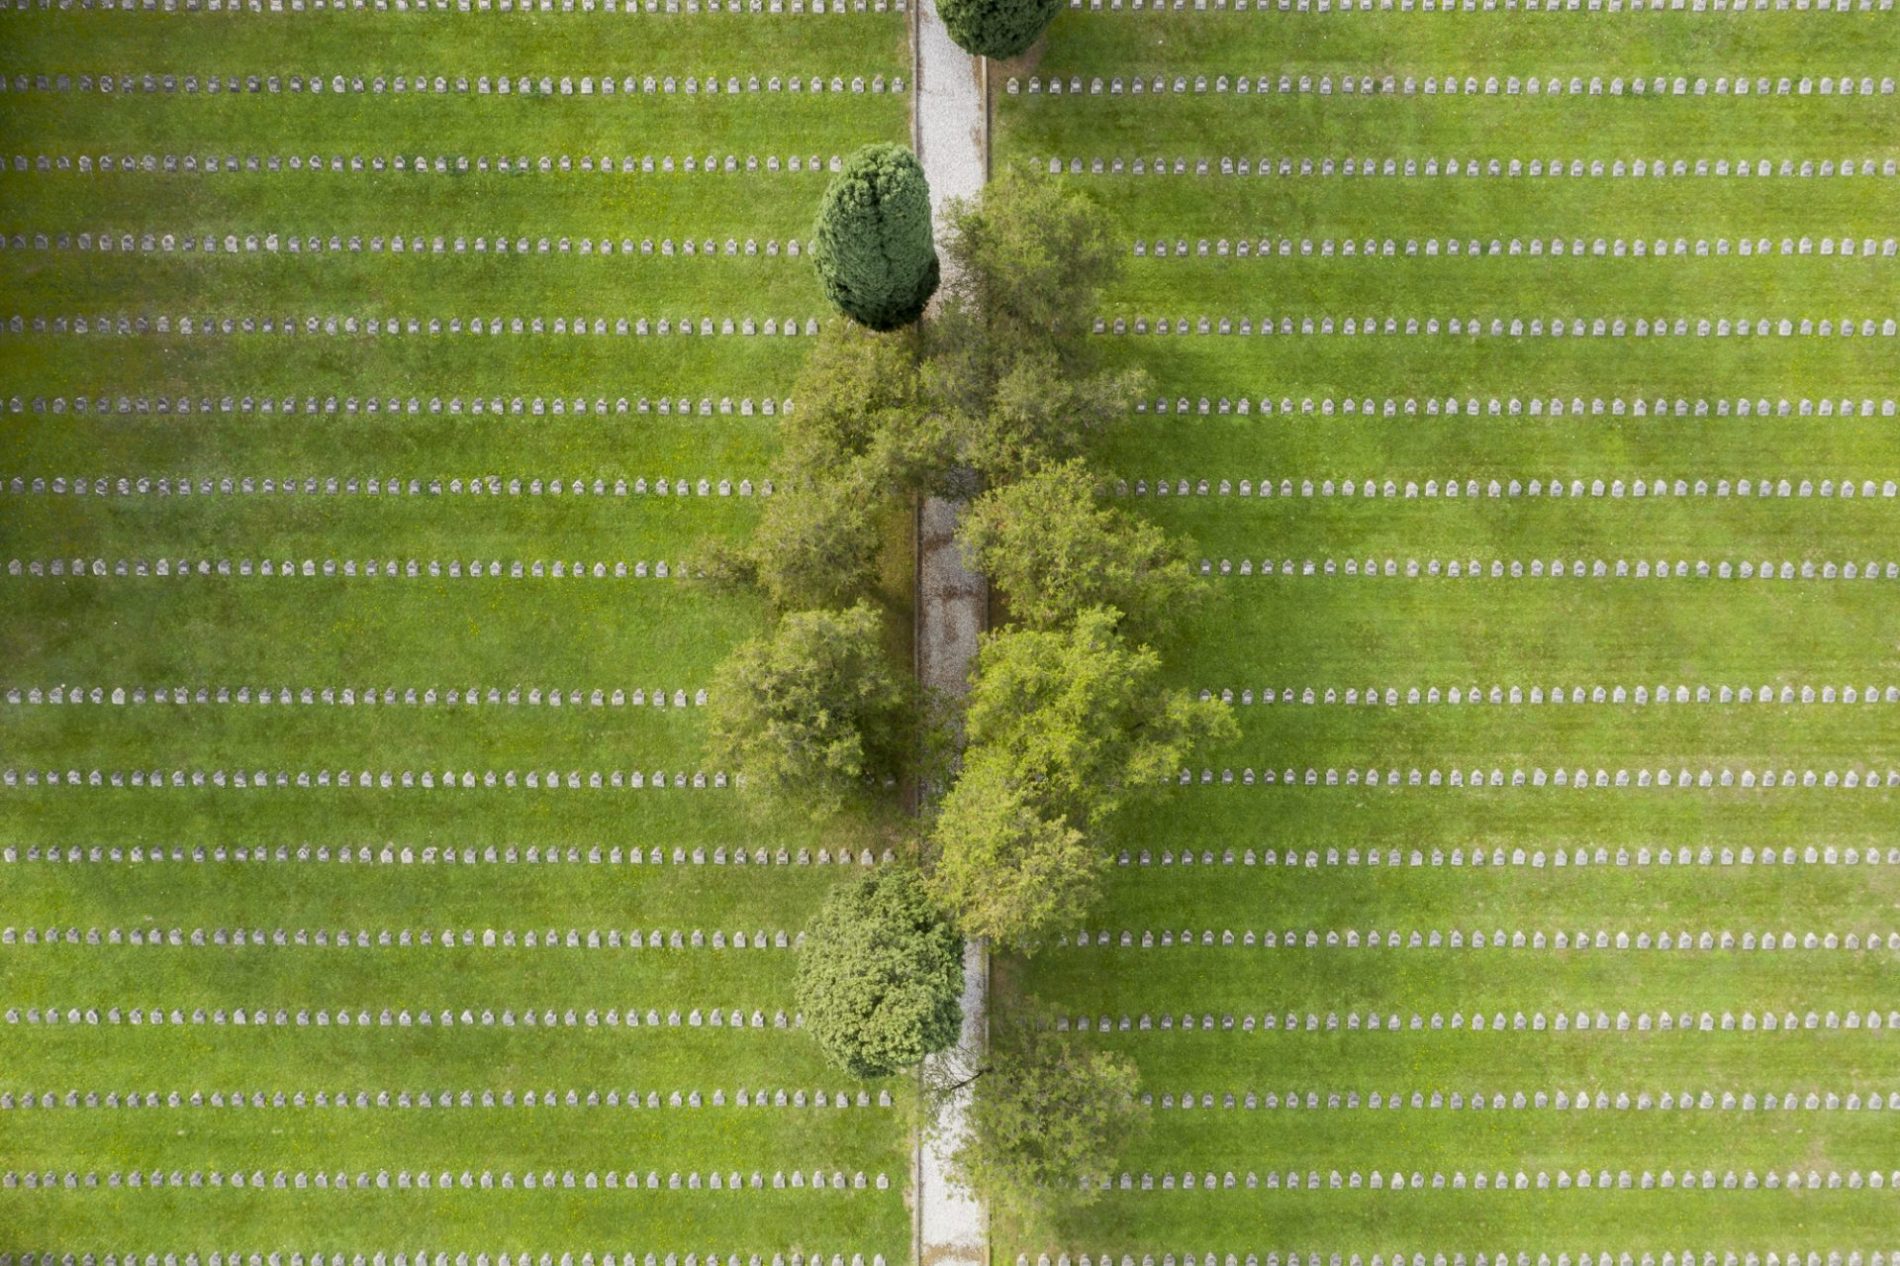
(977, 974)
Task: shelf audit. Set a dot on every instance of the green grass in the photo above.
(421, 634)
(1336, 633)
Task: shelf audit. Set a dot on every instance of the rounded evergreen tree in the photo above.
(996, 28)
(874, 250)
(880, 974)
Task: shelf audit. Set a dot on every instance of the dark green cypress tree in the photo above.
(874, 250)
(996, 28)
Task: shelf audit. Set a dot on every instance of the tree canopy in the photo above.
(996, 28)
(856, 398)
(816, 544)
(880, 975)
(857, 440)
(1031, 256)
(1008, 362)
(873, 246)
(1063, 725)
(1047, 1112)
(1053, 552)
(815, 712)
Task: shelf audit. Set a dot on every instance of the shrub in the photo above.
(873, 250)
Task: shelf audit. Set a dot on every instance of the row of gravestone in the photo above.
(405, 938)
(402, 1019)
(442, 1257)
(535, 406)
(525, 7)
(30, 1100)
(1391, 697)
(1576, 569)
(1330, 776)
(1418, 1257)
(1431, 86)
(311, 485)
(1765, 486)
(1706, 855)
(347, 697)
(424, 164)
(425, 1180)
(1457, 938)
(1571, 168)
(1431, 247)
(1555, 327)
(1562, 1101)
(1535, 406)
(387, 855)
(1346, 7)
(1478, 1022)
(442, 85)
(1538, 1180)
(1579, 779)
(206, 326)
(291, 244)
(427, 779)
(411, 569)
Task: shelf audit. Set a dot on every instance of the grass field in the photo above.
(454, 409)
(1329, 421)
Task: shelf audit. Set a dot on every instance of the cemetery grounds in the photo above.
(1338, 861)
(214, 840)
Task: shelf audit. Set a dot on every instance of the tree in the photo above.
(1011, 870)
(816, 544)
(1046, 1114)
(880, 975)
(855, 390)
(1063, 726)
(996, 28)
(1030, 257)
(1009, 362)
(1046, 545)
(814, 711)
(1041, 411)
(873, 243)
(857, 441)
(861, 410)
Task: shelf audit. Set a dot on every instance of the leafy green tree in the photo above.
(1011, 869)
(873, 245)
(1030, 257)
(1039, 412)
(996, 28)
(1044, 542)
(1008, 360)
(880, 975)
(857, 441)
(813, 713)
(861, 410)
(816, 544)
(1063, 726)
(1045, 1114)
(856, 390)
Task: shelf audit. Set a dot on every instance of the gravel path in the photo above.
(952, 130)
(952, 139)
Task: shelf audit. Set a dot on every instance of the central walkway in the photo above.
(952, 139)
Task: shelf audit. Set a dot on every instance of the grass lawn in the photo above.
(533, 408)
(1329, 421)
